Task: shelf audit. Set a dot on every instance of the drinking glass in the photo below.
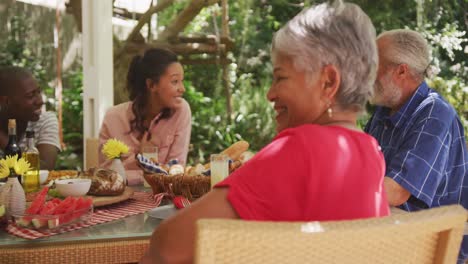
(151, 153)
(219, 165)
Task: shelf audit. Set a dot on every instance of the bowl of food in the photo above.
(73, 187)
(43, 214)
(48, 221)
(43, 175)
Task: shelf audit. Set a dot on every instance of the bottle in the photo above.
(12, 148)
(31, 155)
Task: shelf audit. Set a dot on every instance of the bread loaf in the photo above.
(104, 182)
(234, 151)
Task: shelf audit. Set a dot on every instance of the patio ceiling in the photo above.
(139, 6)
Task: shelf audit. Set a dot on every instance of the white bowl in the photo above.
(43, 175)
(73, 187)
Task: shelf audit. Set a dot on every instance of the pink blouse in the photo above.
(170, 135)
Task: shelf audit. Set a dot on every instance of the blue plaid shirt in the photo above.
(425, 151)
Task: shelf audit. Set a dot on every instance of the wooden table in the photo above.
(120, 241)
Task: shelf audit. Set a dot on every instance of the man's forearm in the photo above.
(396, 194)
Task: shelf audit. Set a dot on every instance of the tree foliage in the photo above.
(252, 25)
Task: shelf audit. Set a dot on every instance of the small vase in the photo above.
(118, 167)
(13, 197)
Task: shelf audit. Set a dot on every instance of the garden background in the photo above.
(28, 40)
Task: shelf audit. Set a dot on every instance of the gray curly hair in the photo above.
(340, 34)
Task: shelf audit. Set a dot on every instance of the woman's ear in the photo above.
(331, 79)
(150, 85)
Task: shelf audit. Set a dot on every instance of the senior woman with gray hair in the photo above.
(320, 166)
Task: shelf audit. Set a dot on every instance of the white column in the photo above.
(98, 92)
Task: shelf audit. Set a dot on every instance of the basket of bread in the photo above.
(191, 181)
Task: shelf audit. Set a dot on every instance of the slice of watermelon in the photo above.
(65, 209)
(49, 207)
(24, 221)
(39, 222)
(53, 223)
(82, 206)
(64, 205)
(37, 204)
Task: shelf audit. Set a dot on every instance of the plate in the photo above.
(107, 200)
(162, 212)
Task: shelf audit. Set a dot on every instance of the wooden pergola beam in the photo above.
(123, 12)
(184, 18)
(208, 39)
(208, 61)
(162, 4)
(182, 48)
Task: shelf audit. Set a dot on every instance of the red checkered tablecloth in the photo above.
(139, 203)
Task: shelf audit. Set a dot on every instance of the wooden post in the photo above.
(225, 19)
(58, 88)
(226, 82)
(98, 74)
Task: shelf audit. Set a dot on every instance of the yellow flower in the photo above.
(20, 166)
(9, 161)
(4, 171)
(113, 149)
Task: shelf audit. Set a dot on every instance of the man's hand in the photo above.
(396, 195)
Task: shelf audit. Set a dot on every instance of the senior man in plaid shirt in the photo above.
(419, 132)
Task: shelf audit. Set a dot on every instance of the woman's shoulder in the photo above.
(118, 110)
(310, 134)
(185, 107)
(183, 110)
(120, 107)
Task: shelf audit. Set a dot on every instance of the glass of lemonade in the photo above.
(219, 165)
(151, 153)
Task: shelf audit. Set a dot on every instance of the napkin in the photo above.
(149, 166)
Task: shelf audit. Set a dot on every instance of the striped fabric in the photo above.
(148, 166)
(140, 203)
(45, 131)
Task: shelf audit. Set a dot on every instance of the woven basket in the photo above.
(191, 187)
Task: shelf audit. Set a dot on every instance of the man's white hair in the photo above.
(340, 34)
(408, 47)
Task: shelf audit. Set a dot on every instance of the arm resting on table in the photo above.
(174, 240)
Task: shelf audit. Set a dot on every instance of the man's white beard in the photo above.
(388, 94)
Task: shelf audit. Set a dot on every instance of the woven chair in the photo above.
(430, 236)
(92, 153)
